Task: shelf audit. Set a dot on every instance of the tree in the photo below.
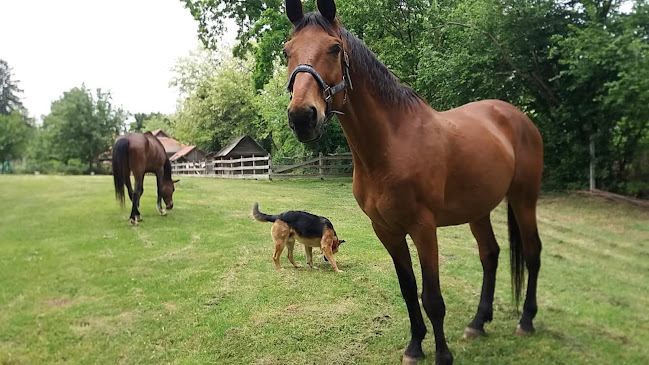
(14, 135)
(82, 125)
(149, 122)
(218, 106)
(9, 90)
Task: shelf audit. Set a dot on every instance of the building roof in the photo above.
(183, 151)
(159, 133)
(171, 145)
(252, 148)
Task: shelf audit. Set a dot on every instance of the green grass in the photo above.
(79, 285)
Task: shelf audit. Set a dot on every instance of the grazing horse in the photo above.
(141, 153)
(417, 169)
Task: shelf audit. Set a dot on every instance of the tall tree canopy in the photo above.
(15, 126)
(82, 124)
(9, 90)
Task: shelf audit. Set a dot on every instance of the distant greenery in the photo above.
(15, 127)
(79, 285)
(221, 103)
(580, 69)
(81, 125)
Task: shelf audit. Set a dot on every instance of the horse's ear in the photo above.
(294, 11)
(328, 9)
(176, 181)
(341, 241)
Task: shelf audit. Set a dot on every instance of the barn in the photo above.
(245, 148)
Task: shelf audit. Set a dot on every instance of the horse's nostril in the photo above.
(314, 112)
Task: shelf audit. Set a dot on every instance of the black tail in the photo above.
(120, 167)
(516, 259)
(261, 216)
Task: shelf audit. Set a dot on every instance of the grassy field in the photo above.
(79, 285)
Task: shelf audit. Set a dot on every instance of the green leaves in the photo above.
(82, 125)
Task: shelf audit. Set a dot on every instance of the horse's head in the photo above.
(168, 192)
(318, 66)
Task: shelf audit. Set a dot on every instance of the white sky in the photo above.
(127, 47)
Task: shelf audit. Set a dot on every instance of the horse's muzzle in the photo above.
(304, 123)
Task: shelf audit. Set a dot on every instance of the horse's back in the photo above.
(146, 152)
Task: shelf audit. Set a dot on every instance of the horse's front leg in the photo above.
(398, 249)
(159, 207)
(424, 235)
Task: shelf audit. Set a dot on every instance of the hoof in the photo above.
(471, 333)
(133, 222)
(410, 360)
(520, 332)
(163, 212)
(138, 218)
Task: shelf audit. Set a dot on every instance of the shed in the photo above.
(188, 154)
(235, 158)
(243, 146)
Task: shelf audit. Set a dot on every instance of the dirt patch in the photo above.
(104, 325)
(170, 306)
(61, 302)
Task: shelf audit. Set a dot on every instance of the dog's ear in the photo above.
(176, 181)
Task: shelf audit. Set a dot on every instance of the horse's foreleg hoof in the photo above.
(133, 222)
(524, 332)
(163, 212)
(138, 218)
(471, 333)
(411, 360)
(444, 358)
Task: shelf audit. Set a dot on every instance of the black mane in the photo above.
(167, 170)
(363, 60)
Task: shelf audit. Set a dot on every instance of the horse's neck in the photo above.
(372, 127)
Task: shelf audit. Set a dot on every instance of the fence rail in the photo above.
(260, 167)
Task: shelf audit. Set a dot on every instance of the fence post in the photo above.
(320, 166)
(270, 168)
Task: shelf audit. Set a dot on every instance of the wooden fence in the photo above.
(340, 165)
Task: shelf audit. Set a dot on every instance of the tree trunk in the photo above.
(592, 164)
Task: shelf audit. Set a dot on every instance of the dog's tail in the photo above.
(261, 216)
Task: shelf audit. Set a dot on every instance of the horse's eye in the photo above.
(335, 49)
(285, 54)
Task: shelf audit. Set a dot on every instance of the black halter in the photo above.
(328, 91)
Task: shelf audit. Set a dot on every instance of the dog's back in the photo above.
(305, 224)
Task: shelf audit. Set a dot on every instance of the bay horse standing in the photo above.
(416, 169)
(141, 153)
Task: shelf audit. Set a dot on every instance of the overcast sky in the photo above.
(125, 46)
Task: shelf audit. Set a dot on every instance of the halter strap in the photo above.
(328, 91)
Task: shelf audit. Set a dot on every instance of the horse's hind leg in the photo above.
(523, 212)
(137, 194)
(489, 250)
(127, 182)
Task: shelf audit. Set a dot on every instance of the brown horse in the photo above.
(416, 169)
(141, 153)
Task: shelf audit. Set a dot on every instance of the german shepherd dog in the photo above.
(310, 230)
